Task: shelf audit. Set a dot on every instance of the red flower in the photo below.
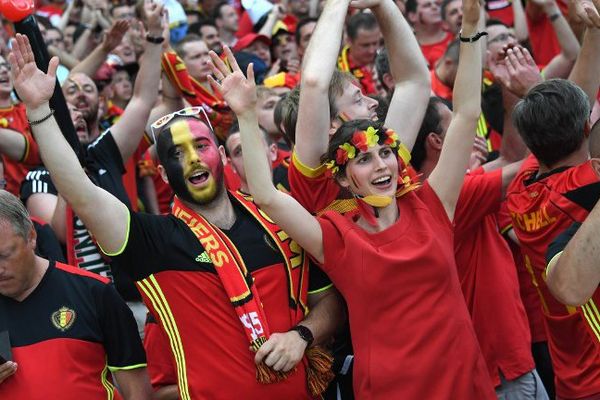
(391, 138)
(359, 140)
(341, 156)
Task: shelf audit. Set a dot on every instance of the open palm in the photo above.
(238, 91)
(33, 86)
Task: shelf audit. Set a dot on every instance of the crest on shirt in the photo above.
(63, 318)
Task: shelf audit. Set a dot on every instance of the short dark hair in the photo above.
(235, 128)
(411, 6)
(453, 50)
(300, 25)
(196, 27)
(382, 63)
(444, 6)
(189, 38)
(551, 119)
(432, 122)
(366, 21)
(217, 9)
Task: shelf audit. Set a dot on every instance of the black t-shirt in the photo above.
(104, 166)
(66, 334)
(164, 242)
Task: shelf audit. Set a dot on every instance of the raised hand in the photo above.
(517, 71)
(237, 90)
(115, 35)
(153, 13)
(471, 12)
(587, 12)
(33, 86)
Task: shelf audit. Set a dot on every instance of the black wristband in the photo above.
(155, 40)
(554, 17)
(39, 121)
(473, 38)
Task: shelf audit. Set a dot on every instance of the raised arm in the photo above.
(585, 72)
(447, 177)
(573, 275)
(560, 66)
(101, 212)
(320, 60)
(129, 129)
(409, 70)
(90, 64)
(240, 94)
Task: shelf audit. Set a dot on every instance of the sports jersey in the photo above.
(15, 118)
(104, 166)
(435, 51)
(542, 207)
(529, 294)
(489, 280)
(181, 288)
(67, 336)
(411, 332)
(161, 369)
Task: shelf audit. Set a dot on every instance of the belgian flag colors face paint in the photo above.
(192, 161)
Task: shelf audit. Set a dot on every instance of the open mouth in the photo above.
(198, 177)
(382, 182)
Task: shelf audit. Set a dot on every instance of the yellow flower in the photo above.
(372, 137)
(331, 165)
(350, 150)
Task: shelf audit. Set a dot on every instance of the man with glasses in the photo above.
(218, 275)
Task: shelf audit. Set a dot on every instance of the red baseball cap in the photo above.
(250, 38)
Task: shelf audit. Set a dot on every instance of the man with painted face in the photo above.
(222, 280)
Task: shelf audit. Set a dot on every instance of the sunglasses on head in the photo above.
(159, 124)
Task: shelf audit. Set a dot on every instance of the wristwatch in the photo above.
(304, 333)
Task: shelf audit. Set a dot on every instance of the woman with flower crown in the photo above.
(393, 259)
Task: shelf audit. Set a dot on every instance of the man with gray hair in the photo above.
(61, 328)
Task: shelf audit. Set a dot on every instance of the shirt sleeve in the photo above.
(318, 281)
(557, 246)
(480, 195)
(121, 340)
(105, 150)
(147, 248)
(434, 204)
(333, 227)
(36, 182)
(312, 188)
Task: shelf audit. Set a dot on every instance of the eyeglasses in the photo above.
(156, 127)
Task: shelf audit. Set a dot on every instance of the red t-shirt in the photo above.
(161, 370)
(411, 332)
(435, 51)
(489, 280)
(439, 88)
(15, 118)
(544, 43)
(501, 10)
(541, 209)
